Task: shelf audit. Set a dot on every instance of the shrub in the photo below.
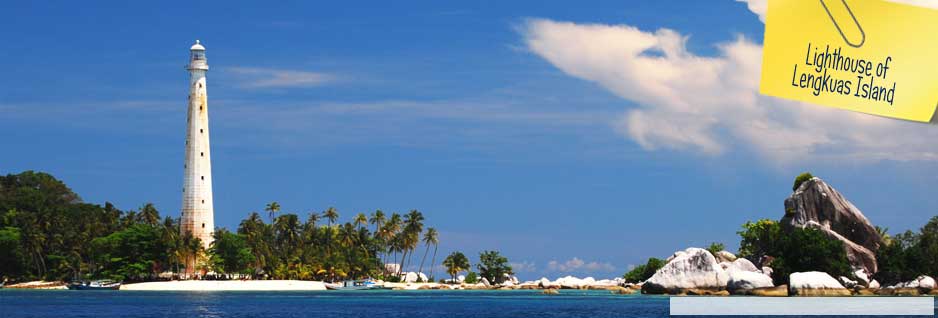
(472, 278)
(715, 248)
(808, 249)
(801, 178)
(643, 272)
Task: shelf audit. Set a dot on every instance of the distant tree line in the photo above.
(47, 232)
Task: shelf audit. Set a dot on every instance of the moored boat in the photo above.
(95, 285)
(355, 285)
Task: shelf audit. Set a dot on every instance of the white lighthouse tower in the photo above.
(197, 210)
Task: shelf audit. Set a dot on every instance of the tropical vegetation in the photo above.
(47, 232)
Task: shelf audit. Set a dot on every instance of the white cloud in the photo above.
(711, 104)
(523, 267)
(577, 264)
(255, 77)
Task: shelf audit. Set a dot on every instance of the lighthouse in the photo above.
(197, 207)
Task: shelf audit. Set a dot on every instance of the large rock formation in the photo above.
(816, 204)
(691, 269)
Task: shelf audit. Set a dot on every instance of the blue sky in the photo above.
(506, 122)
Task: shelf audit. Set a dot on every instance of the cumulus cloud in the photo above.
(254, 77)
(577, 264)
(711, 104)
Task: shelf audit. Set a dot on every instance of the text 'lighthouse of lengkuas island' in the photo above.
(197, 210)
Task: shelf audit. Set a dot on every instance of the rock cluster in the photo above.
(815, 204)
(697, 271)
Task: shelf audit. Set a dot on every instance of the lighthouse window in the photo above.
(203, 177)
(201, 154)
(203, 201)
(203, 225)
(200, 131)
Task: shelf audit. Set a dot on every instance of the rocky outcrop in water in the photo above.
(815, 204)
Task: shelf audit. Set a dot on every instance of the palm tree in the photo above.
(430, 238)
(288, 236)
(149, 215)
(413, 226)
(272, 209)
(377, 219)
(253, 228)
(884, 235)
(331, 214)
(455, 263)
(360, 220)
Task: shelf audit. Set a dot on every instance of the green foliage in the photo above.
(230, 253)
(643, 272)
(715, 248)
(759, 239)
(493, 266)
(12, 261)
(46, 232)
(472, 278)
(808, 249)
(801, 178)
(909, 254)
(130, 254)
(456, 263)
(796, 251)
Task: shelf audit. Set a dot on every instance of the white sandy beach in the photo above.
(227, 285)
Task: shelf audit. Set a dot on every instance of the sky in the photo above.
(575, 138)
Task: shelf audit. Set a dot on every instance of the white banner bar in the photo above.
(787, 306)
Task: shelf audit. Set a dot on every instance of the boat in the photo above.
(355, 285)
(95, 285)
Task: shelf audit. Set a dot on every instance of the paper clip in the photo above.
(862, 34)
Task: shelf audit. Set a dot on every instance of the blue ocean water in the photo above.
(384, 304)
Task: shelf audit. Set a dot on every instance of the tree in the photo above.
(430, 238)
(272, 209)
(360, 220)
(643, 272)
(331, 214)
(12, 262)
(377, 219)
(493, 266)
(410, 237)
(801, 178)
(808, 249)
(795, 250)
(759, 239)
(230, 253)
(908, 255)
(149, 215)
(456, 263)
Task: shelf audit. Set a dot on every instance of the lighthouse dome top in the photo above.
(197, 46)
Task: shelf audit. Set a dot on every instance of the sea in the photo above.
(346, 304)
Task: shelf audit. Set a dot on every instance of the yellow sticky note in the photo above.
(870, 56)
